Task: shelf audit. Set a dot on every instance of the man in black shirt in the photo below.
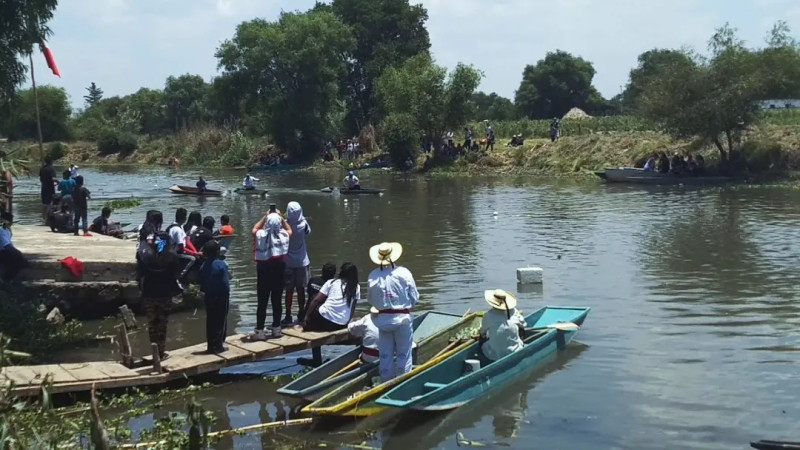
(47, 177)
(100, 223)
(80, 199)
(203, 234)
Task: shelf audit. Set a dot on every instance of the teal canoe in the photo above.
(448, 385)
(319, 381)
(775, 445)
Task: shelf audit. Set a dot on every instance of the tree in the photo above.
(289, 72)
(424, 92)
(714, 99)
(95, 94)
(387, 33)
(149, 106)
(556, 84)
(185, 100)
(492, 107)
(652, 64)
(780, 64)
(54, 110)
(22, 25)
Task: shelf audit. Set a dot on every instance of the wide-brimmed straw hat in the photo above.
(385, 252)
(500, 299)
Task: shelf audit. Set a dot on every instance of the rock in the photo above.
(55, 316)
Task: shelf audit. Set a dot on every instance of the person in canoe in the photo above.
(365, 329)
(503, 326)
(333, 306)
(351, 181)
(201, 185)
(391, 289)
(249, 182)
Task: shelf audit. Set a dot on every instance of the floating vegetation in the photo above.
(123, 203)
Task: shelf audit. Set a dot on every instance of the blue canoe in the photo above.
(318, 382)
(447, 385)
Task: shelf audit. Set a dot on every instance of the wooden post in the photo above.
(36, 103)
(128, 318)
(125, 353)
(316, 356)
(156, 358)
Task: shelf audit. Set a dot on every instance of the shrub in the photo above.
(55, 151)
(762, 154)
(114, 141)
(398, 135)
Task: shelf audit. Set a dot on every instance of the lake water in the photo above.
(691, 341)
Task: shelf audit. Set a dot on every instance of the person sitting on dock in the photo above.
(181, 244)
(365, 329)
(100, 223)
(157, 270)
(249, 182)
(215, 284)
(201, 185)
(11, 259)
(502, 327)
(333, 306)
(316, 283)
(351, 181)
(393, 292)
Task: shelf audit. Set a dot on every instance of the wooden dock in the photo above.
(184, 362)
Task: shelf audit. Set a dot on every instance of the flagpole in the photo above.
(36, 102)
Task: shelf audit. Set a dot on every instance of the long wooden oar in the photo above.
(560, 326)
(347, 368)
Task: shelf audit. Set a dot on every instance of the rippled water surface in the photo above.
(692, 338)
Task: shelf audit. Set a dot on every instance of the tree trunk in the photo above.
(723, 155)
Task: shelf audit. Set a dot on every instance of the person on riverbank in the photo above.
(11, 259)
(351, 181)
(249, 182)
(502, 327)
(181, 244)
(298, 265)
(271, 235)
(157, 271)
(489, 138)
(215, 284)
(333, 306)
(195, 220)
(81, 198)
(393, 292)
(47, 178)
(555, 130)
(366, 329)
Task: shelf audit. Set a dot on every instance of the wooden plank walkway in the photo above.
(184, 362)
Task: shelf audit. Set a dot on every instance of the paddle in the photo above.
(347, 368)
(560, 326)
(449, 347)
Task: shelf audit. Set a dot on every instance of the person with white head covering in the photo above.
(351, 181)
(73, 171)
(298, 266)
(392, 291)
(271, 235)
(366, 329)
(249, 182)
(502, 327)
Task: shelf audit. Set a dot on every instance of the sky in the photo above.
(123, 45)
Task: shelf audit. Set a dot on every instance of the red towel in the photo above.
(73, 265)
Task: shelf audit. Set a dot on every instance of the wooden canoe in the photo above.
(356, 398)
(447, 385)
(345, 191)
(192, 190)
(318, 382)
(243, 191)
(775, 445)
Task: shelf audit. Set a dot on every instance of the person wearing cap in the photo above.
(249, 182)
(351, 181)
(502, 327)
(365, 329)
(392, 291)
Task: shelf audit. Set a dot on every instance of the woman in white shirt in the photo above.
(271, 235)
(503, 326)
(333, 306)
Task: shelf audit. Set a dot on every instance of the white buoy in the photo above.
(529, 275)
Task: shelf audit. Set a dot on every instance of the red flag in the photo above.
(51, 62)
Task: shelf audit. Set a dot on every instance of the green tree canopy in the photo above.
(425, 93)
(22, 25)
(290, 71)
(387, 33)
(553, 86)
(185, 100)
(652, 64)
(93, 95)
(54, 110)
(492, 107)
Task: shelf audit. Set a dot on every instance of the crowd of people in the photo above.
(688, 164)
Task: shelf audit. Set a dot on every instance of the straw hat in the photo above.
(373, 310)
(500, 299)
(385, 252)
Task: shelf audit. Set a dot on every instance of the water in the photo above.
(690, 343)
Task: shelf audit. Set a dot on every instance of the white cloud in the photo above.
(123, 45)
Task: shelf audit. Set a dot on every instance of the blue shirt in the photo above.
(67, 187)
(215, 279)
(5, 237)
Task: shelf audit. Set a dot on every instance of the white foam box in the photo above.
(529, 275)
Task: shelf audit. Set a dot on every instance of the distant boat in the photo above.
(775, 445)
(453, 382)
(243, 191)
(192, 190)
(640, 176)
(345, 191)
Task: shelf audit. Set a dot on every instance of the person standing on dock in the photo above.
(393, 292)
(47, 177)
(271, 235)
(81, 198)
(215, 284)
(158, 270)
(298, 266)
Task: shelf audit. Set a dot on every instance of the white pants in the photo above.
(395, 337)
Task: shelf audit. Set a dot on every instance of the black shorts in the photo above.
(47, 196)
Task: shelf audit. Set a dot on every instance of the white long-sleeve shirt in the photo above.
(389, 288)
(365, 329)
(502, 333)
(249, 181)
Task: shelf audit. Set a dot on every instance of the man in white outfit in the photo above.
(365, 329)
(392, 291)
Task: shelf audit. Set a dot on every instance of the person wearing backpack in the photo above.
(181, 244)
(157, 269)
